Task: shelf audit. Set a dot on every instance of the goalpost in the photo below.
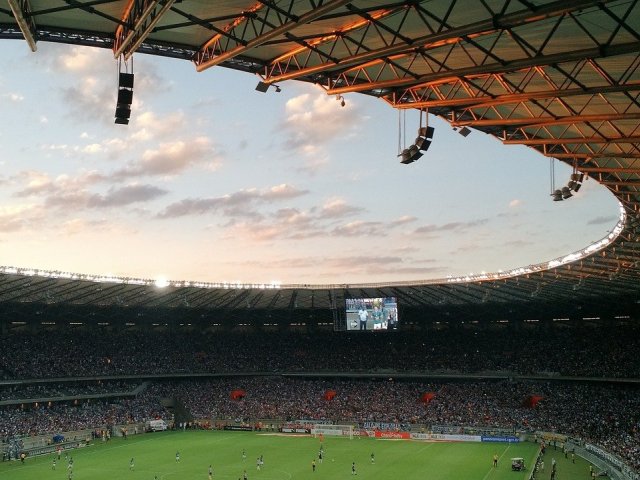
(319, 430)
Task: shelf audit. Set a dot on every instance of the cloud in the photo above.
(363, 260)
(406, 249)
(92, 148)
(234, 204)
(311, 122)
(125, 196)
(286, 223)
(17, 217)
(72, 191)
(315, 161)
(403, 220)
(283, 191)
(36, 182)
(149, 126)
(55, 146)
(293, 217)
(77, 60)
(13, 97)
(338, 208)
(310, 118)
(519, 243)
(77, 226)
(41, 183)
(73, 199)
(449, 227)
(90, 99)
(360, 228)
(383, 265)
(356, 265)
(294, 227)
(602, 220)
(171, 158)
(253, 232)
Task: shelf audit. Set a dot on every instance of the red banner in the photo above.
(532, 400)
(330, 394)
(427, 397)
(237, 394)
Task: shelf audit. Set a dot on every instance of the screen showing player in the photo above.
(372, 314)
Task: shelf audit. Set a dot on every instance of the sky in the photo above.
(213, 181)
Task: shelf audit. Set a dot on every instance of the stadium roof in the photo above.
(562, 77)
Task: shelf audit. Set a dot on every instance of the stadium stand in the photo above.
(585, 385)
(593, 352)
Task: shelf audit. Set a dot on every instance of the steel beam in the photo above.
(571, 141)
(588, 155)
(601, 51)
(22, 13)
(446, 36)
(630, 171)
(208, 51)
(545, 121)
(488, 101)
(139, 18)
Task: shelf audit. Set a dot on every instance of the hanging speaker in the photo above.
(125, 80)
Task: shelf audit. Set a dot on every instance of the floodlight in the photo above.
(566, 193)
(557, 195)
(464, 131)
(262, 87)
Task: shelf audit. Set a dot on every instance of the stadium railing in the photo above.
(606, 462)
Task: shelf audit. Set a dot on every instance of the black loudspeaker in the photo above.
(123, 111)
(125, 98)
(125, 80)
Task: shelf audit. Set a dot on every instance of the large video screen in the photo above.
(372, 314)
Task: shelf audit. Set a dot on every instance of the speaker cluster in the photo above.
(125, 98)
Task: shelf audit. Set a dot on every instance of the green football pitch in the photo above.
(285, 458)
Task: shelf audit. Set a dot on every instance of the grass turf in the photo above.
(287, 458)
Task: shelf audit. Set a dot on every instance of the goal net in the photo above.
(320, 430)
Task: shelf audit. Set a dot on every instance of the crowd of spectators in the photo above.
(67, 389)
(59, 417)
(591, 352)
(605, 413)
